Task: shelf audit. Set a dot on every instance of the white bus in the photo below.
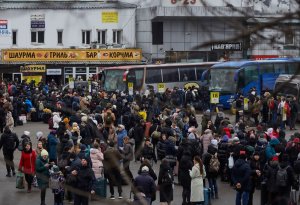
(158, 77)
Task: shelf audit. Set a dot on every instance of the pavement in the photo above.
(9, 195)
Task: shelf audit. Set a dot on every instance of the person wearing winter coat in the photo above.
(9, 121)
(9, 142)
(223, 155)
(270, 149)
(97, 157)
(185, 164)
(241, 177)
(52, 146)
(27, 164)
(147, 163)
(211, 175)
(256, 171)
(56, 120)
(85, 182)
(138, 135)
(293, 150)
(148, 152)
(121, 133)
(25, 138)
(197, 175)
(165, 186)
(146, 183)
(111, 164)
(161, 147)
(42, 173)
(127, 154)
(206, 139)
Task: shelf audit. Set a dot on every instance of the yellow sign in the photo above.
(130, 85)
(161, 87)
(33, 68)
(214, 97)
(36, 78)
(246, 103)
(110, 17)
(190, 85)
(130, 88)
(17, 55)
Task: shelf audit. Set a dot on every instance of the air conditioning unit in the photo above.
(73, 47)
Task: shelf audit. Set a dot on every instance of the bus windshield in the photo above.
(114, 80)
(222, 80)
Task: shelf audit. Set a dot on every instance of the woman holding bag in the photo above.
(27, 164)
(197, 175)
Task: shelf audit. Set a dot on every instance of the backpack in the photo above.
(214, 164)
(167, 178)
(10, 142)
(54, 181)
(50, 123)
(108, 118)
(282, 176)
(131, 132)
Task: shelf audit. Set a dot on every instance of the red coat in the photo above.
(27, 162)
(227, 131)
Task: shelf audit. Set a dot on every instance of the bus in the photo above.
(232, 77)
(158, 77)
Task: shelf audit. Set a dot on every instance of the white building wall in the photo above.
(72, 22)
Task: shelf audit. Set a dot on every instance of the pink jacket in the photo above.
(97, 165)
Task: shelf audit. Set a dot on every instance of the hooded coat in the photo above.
(42, 172)
(241, 173)
(206, 139)
(270, 149)
(97, 165)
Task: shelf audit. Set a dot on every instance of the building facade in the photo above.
(190, 30)
(57, 40)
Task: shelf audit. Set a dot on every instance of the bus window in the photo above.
(170, 75)
(199, 72)
(293, 68)
(266, 68)
(139, 76)
(250, 74)
(279, 68)
(187, 74)
(153, 75)
(241, 79)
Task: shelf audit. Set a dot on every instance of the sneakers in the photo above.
(112, 197)
(120, 197)
(8, 175)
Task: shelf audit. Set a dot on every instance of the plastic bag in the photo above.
(230, 162)
(34, 182)
(20, 181)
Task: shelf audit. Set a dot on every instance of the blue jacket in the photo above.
(241, 173)
(121, 136)
(28, 104)
(270, 149)
(52, 143)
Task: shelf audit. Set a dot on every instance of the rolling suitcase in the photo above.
(100, 187)
(207, 196)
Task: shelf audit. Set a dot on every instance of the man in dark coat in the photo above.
(146, 182)
(111, 165)
(84, 183)
(185, 164)
(241, 177)
(9, 141)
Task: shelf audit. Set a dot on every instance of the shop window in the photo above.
(93, 70)
(37, 36)
(14, 37)
(81, 70)
(157, 33)
(101, 36)
(117, 36)
(69, 70)
(86, 36)
(59, 37)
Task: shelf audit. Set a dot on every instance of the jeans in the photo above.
(213, 186)
(9, 161)
(114, 177)
(242, 198)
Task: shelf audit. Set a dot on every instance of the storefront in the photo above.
(48, 64)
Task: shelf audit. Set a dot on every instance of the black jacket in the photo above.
(241, 173)
(206, 161)
(9, 141)
(85, 179)
(146, 182)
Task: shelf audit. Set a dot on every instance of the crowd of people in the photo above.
(95, 137)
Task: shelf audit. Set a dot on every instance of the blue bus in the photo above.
(232, 77)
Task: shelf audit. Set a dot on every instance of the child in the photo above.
(56, 183)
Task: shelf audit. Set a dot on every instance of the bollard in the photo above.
(263, 193)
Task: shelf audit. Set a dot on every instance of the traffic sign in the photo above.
(130, 88)
(161, 87)
(214, 97)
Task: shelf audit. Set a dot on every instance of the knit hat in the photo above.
(214, 142)
(121, 126)
(82, 147)
(225, 138)
(39, 134)
(145, 169)
(44, 153)
(26, 133)
(84, 119)
(236, 139)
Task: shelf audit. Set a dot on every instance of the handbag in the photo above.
(230, 162)
(20, 181)
(34, 182)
